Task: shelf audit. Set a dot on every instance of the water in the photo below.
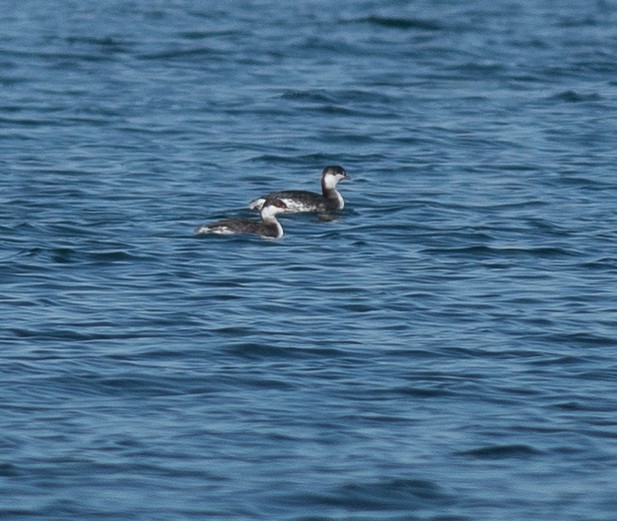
(444, 349)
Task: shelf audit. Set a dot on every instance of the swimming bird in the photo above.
(268, 228)
(304, 201)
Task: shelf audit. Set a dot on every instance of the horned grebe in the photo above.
(268, 228)
(303, 201)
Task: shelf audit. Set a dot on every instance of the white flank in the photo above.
(256, 204)
(207, 228)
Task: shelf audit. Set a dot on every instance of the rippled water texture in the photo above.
(444, 349)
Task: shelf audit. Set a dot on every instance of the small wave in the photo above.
(316, 96)
(201, 52)
(417, 392)
(571, 96)
(29, 122)
(204, 35)
(260, 351)
(501, 451)
(113, 256)
(8, 470)
(402, 23)
(254, 350)
(603, 264)
(484, 251)
(569, 21)
(396, 494)
(582, 339)
(106, 43)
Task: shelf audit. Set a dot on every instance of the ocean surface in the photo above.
(443, 349)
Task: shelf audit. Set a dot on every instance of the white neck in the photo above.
(341, 201)
(329, 182)
(268, 213)
(270, 219)
(279, 229)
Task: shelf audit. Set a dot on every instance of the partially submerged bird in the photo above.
(268, 228)
(302, 201)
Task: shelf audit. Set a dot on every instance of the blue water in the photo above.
(445, 349)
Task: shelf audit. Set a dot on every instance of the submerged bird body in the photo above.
(303, 201)
(268, 228)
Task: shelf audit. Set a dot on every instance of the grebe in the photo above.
(267, 228)
(303, 201)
